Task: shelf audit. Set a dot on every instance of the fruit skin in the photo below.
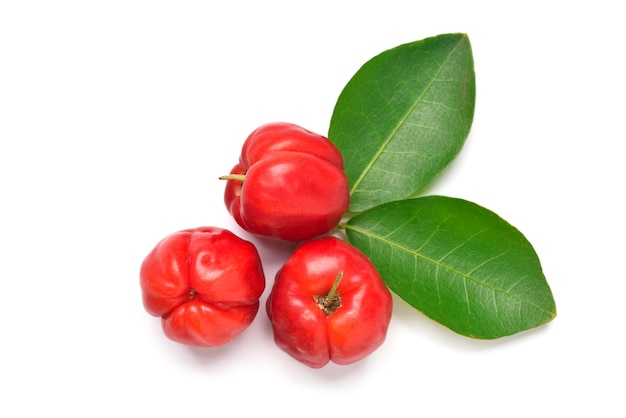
(205, 284)
(295, 187)
(350, 333)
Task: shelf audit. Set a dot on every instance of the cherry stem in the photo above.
(331, 302)
(238, 177)
(333, 290)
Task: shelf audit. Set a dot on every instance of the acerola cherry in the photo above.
(289, 184)
(329, 303)
(205, 284)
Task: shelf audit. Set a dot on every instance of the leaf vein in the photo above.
(385, 143)
(440, 265)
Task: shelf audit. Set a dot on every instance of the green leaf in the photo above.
(403, 117)
(458, 263)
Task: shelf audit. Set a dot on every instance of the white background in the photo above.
(117, 117)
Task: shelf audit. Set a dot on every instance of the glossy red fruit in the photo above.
(289, 184)
(329, 303)
(205, 284)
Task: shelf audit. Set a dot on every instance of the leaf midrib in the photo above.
(465, 276)
(402, 121)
